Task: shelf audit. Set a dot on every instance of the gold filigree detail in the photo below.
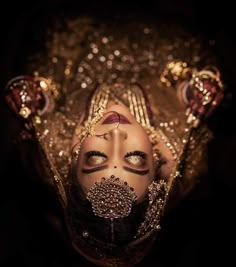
(111, 198)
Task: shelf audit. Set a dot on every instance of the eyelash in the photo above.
(90, 154)
(136, 158)
(133, 153)
(95, 158)
(136, 153)
(141, 154)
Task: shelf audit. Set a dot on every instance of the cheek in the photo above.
(87, 181)
(88, 144)
(140, 185)
(140, 140)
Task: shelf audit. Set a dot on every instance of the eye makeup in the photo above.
(93, 158)
(136, 158)
(98, 160)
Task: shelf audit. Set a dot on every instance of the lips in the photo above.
(116, 117)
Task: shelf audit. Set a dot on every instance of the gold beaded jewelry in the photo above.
(96, 112)
(138, 109)
(111, 198)
(157, 197)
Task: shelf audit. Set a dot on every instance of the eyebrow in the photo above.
(139, 172)
(99, 168)
(96, 169)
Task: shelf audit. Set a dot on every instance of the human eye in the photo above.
(136, 158)
(95, 158)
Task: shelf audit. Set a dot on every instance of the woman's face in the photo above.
(120, 147)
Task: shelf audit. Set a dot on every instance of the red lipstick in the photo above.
(116, 117)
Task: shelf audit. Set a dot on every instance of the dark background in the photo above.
(200, 231)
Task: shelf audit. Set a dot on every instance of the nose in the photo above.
(116, 134)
